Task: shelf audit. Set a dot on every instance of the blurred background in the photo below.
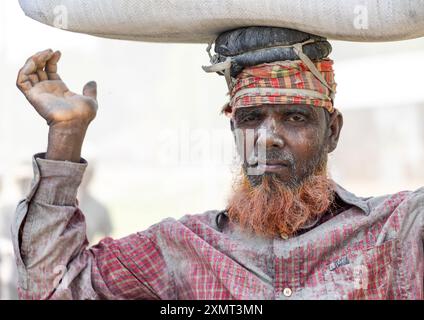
(160, 148)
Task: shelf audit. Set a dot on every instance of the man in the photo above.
(288, 232)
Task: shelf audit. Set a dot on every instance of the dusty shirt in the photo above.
(371, 250)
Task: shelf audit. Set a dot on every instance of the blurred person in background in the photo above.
(288, 231)
(21, 179)
(98, 221)
(8, 271)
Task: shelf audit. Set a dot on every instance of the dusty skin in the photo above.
(68, 114)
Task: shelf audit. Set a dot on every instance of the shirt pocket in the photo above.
(370, 273)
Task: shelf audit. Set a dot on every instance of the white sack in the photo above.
(202, 20)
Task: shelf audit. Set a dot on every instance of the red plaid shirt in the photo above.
(371, 249)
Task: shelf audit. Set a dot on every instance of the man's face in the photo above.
(293, 138)
(288, 147)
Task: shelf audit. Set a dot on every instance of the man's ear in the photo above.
(335, 125)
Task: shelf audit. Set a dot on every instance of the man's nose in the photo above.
(268, 135)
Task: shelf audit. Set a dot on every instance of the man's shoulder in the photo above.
(402, 212)
(398, 198)
(206, 219)
(373, 203)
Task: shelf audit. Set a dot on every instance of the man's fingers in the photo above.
(24, 85)
(29, 67)
(90, 90)
(34, 79)
(41, 60)
(29, 76)
(24, 82)
(42, 75)
(51, 66)
(42, 57)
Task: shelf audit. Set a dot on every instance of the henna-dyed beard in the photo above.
(274, 208)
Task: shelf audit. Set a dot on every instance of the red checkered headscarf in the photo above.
(284, 82)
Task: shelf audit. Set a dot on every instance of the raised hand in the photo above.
(68, 114)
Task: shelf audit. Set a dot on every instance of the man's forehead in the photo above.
(277, 107)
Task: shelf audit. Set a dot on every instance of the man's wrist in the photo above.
(65, 143)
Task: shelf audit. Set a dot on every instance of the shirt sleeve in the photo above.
(50, 244)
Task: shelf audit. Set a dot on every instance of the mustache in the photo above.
(271, 155)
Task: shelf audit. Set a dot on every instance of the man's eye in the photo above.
(296, 118)
(249, 118)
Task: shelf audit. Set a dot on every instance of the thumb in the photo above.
(90, 90)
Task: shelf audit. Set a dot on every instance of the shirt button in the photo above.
(287, 292)
(284, 236)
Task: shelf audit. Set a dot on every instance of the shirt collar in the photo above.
(350, 198)
(346, 196)
(343, 194)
